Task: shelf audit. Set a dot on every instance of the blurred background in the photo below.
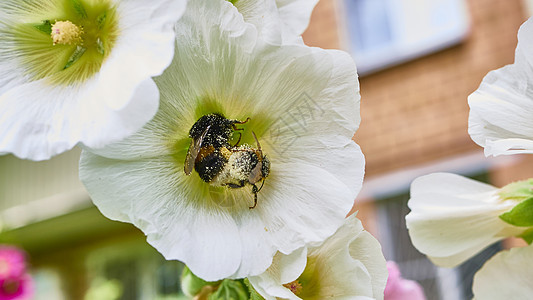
(418, 61)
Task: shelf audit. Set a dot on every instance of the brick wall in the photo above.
(417, 112)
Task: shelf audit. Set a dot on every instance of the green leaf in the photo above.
(75, 56)
(191, 284)
(230, 290)
(254, 295)
(45, 27)
(78, 7)
(519, 190)
(521, 215)
(527, 236)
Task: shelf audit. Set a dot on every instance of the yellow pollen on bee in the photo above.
(294, 286)
(66, 33)
(225, 152)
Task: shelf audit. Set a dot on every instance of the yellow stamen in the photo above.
(66, 33)
(294, 286)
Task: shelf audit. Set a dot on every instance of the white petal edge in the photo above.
(296, 14)
(349, 251)
(142, 193)
(501, 106)
(507, 275)
(48, 130)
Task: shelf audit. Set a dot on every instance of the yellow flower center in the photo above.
(66, 41)
(66, 33)
(294, 286)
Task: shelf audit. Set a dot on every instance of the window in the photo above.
(383, 33)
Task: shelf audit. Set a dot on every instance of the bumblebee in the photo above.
(218, 162)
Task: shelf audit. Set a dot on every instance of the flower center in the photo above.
(294, 286)
(71, 42)
(66, 33)
(221, 163)
(9, 287)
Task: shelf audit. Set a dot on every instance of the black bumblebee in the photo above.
(218, 162)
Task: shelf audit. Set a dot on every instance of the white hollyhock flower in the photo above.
(501, 108)
(507, 275)
(295, 15)
(80, 71)
(278, 21)
(452, 217)
(349, 265)
(302, 104)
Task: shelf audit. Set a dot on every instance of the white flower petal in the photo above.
(500, 108)
(46, 119)
(144, 48)
(58, 126)
(348, 265)
(453, 217)
(295, 14)
(263, 14)
(373, 261)
(317, 206)
(278, 22)
(208, 241)
(507, 275)
(362, 248)
(284, 269)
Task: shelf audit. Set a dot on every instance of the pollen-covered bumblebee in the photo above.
(218, 162)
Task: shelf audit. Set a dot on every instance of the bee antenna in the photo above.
(257, 142)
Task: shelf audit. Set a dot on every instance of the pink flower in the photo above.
(12, 262)
(398, 288)
(17, 288)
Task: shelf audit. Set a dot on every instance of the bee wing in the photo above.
(193, 151)
(255, 174)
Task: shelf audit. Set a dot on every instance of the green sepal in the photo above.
(519, 190)
(75, 56)
(527, 236)
(191, 284)
(254, 295)
(78, 7)
(521, 215)
(230, 290)
(45, 27)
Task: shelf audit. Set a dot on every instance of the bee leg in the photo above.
(254, 191)
(262, 183)
(239, 122)
(240, 135)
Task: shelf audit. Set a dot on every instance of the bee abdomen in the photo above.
(210, 166)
